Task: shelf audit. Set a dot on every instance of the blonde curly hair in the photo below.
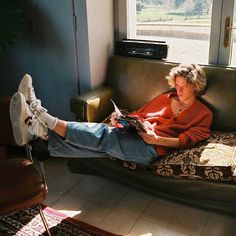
(192, 73)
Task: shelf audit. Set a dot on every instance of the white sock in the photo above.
(49, 120)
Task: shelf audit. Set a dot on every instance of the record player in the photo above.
(141, 48)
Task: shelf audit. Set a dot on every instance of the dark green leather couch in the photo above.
(132, 82)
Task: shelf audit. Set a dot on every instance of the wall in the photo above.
(95, 42)
(54, 54)
(15, 61)
(100, 26)
(62, 60)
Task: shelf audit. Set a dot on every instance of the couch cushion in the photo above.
(214, 159)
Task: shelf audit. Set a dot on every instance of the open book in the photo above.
(127, 121)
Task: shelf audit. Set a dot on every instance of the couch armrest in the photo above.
(93, 106)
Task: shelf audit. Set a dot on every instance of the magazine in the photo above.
(127, 121)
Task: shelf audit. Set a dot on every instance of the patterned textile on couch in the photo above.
(212, 159)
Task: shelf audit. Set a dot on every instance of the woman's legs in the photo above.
(74, 139)
(60, 128)
(85, 140)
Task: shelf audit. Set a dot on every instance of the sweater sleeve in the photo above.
(199, 132)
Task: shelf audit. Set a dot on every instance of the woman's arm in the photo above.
(152, 138)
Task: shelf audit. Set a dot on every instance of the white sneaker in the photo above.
(27, 89)
(25, 125)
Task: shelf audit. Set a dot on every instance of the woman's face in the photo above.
(184, 90)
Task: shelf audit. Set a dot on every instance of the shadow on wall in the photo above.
(44, 52)
(44, 36)
(19, 59)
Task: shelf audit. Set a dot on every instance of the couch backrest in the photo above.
(137, 81)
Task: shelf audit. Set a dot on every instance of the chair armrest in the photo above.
(93, 106)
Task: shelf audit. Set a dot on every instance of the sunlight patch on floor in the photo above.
(70, 213)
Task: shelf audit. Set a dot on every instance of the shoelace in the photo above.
(35, 107)
(31, 94)
(33, 122)
(35, 119)
(40, 121)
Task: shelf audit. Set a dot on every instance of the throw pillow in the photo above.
(214, 159)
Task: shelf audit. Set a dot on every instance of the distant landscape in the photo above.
(175, 18)
(179, 22)
(181, 11)
(171, 16)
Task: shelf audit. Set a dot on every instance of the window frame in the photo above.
(218, 54)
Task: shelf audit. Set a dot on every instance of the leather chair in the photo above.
(6, 135)
(22, 185)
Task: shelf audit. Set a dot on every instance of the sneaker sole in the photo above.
(17, 116)
(25, 82)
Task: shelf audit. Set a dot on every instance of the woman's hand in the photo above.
(113, 118)
(149, 137)
(148, 126)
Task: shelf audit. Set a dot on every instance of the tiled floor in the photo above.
(124, 210)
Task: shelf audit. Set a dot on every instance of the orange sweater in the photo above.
(190, 126)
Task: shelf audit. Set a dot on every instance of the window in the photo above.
(233, 62)
(193, 29)
(183, 24)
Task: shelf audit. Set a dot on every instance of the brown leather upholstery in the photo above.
(93, 105)
(137, 81)
(20, 185)
(133, 82)
(6, 136)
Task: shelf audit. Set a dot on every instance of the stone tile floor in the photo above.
(123, 210)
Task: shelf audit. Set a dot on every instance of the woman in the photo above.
(172, 120)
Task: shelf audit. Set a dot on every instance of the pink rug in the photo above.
(27, 222)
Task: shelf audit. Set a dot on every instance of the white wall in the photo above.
(94, 54)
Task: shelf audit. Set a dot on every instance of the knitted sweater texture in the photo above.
(190, 126)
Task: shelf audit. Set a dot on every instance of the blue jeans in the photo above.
(98, 140)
